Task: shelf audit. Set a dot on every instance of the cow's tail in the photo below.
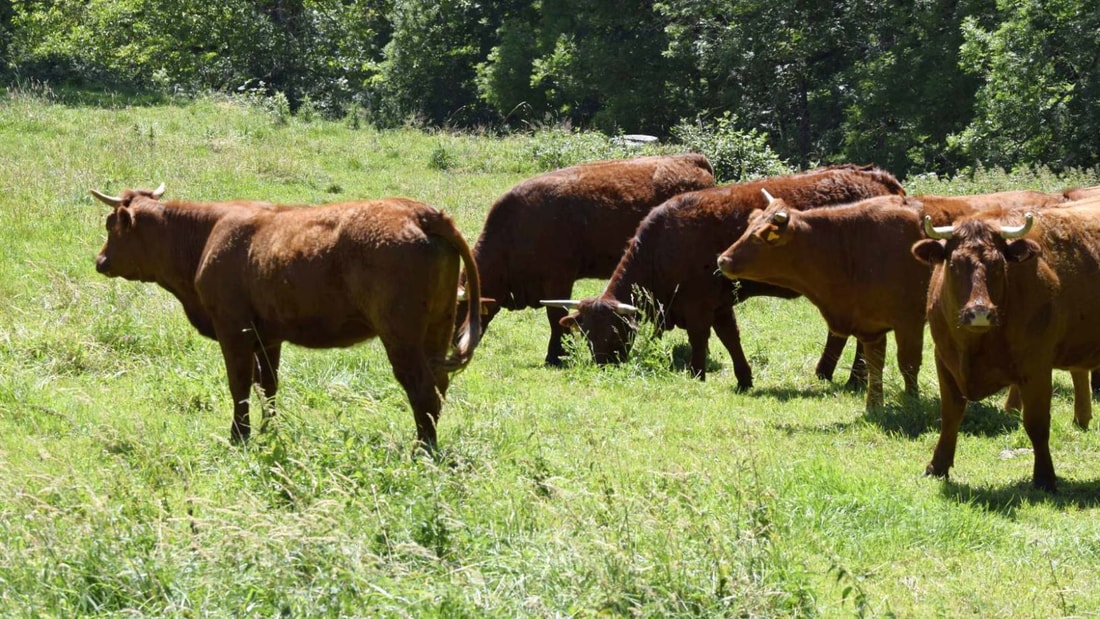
(469, 334)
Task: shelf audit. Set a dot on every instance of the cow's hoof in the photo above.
(1046, 485)
(931, 471)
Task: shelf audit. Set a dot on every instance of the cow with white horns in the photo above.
(253, 275)
(1012, 296)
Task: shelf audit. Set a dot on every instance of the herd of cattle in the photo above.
(1007, 281)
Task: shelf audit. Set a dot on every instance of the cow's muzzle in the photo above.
(978, 317)
(102, 265)
(726, 265)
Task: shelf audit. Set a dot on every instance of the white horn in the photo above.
(108, 200)
(939, 233)
(625, 309)
(767, 195)
(780, 217)
(158, 192)
(562, 303)
(1015, 232)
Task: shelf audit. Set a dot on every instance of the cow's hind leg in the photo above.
(267, 373)
(413, 370)
(1082, 400)
(875, 353)
(1036, 395)
(554, 348)
(910, 345)
(725, 326)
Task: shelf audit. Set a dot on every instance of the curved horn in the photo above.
(1015, 232)
(933, 232)
(780, 217)
(108, 200)
(625, 309)
(158, 192)
(767, 195)
(562, 303)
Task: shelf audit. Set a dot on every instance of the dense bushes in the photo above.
(929, 86)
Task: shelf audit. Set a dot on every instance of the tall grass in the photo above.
(627, 490)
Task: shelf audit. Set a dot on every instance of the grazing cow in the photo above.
(253, 275)
(1007, 303)
(852, 263)
(671, 258)
(551, 230)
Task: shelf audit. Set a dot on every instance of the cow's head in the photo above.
(767, 230)
(974, 255)
(608, 326)
(126, 252)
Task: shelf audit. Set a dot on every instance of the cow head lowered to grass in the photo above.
(1012, 296)
(669, 262)
(254, 275)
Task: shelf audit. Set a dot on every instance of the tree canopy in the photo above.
(911, 85)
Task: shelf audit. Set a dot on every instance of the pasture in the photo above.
(622, 491)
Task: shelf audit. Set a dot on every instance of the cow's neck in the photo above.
(186, 230)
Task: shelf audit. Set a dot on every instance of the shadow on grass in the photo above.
(681, 359)
(1005, 500)
(918, 415)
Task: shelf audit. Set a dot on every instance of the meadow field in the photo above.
(622, 491)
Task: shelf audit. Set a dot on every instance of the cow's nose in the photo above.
(724, 263)
(101, 265)
(978, 316)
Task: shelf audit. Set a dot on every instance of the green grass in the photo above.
(630, 490)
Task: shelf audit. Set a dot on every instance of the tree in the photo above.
(1038, 102)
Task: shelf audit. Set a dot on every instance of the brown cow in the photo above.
(852, 263)
(1008, 302)
(1080, 193)
(253, 275)
(551, 230)
(671, 257)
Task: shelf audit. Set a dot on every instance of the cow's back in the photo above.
(329, 275)
(575, 222)
(673, 250)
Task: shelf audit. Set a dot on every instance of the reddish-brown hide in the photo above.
(551, 230)
(253, 275)
(1006, 305)
(671, 258)
(853, 263)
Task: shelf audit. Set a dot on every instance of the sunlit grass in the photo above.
(578, 491)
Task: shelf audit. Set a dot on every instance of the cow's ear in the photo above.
(1022, 250)
(929, 251)
(570, 322)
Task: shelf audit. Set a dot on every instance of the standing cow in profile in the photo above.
(551, 230)
(1011, 298)
(671, 259)
(253, 275)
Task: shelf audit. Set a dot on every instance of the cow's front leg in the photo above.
(725, 326)
(1036, 394)
(952, 407)
(240, 361)
(910, 343)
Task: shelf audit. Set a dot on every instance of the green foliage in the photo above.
(915, 87)
(1040, 66)
(735, 154)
